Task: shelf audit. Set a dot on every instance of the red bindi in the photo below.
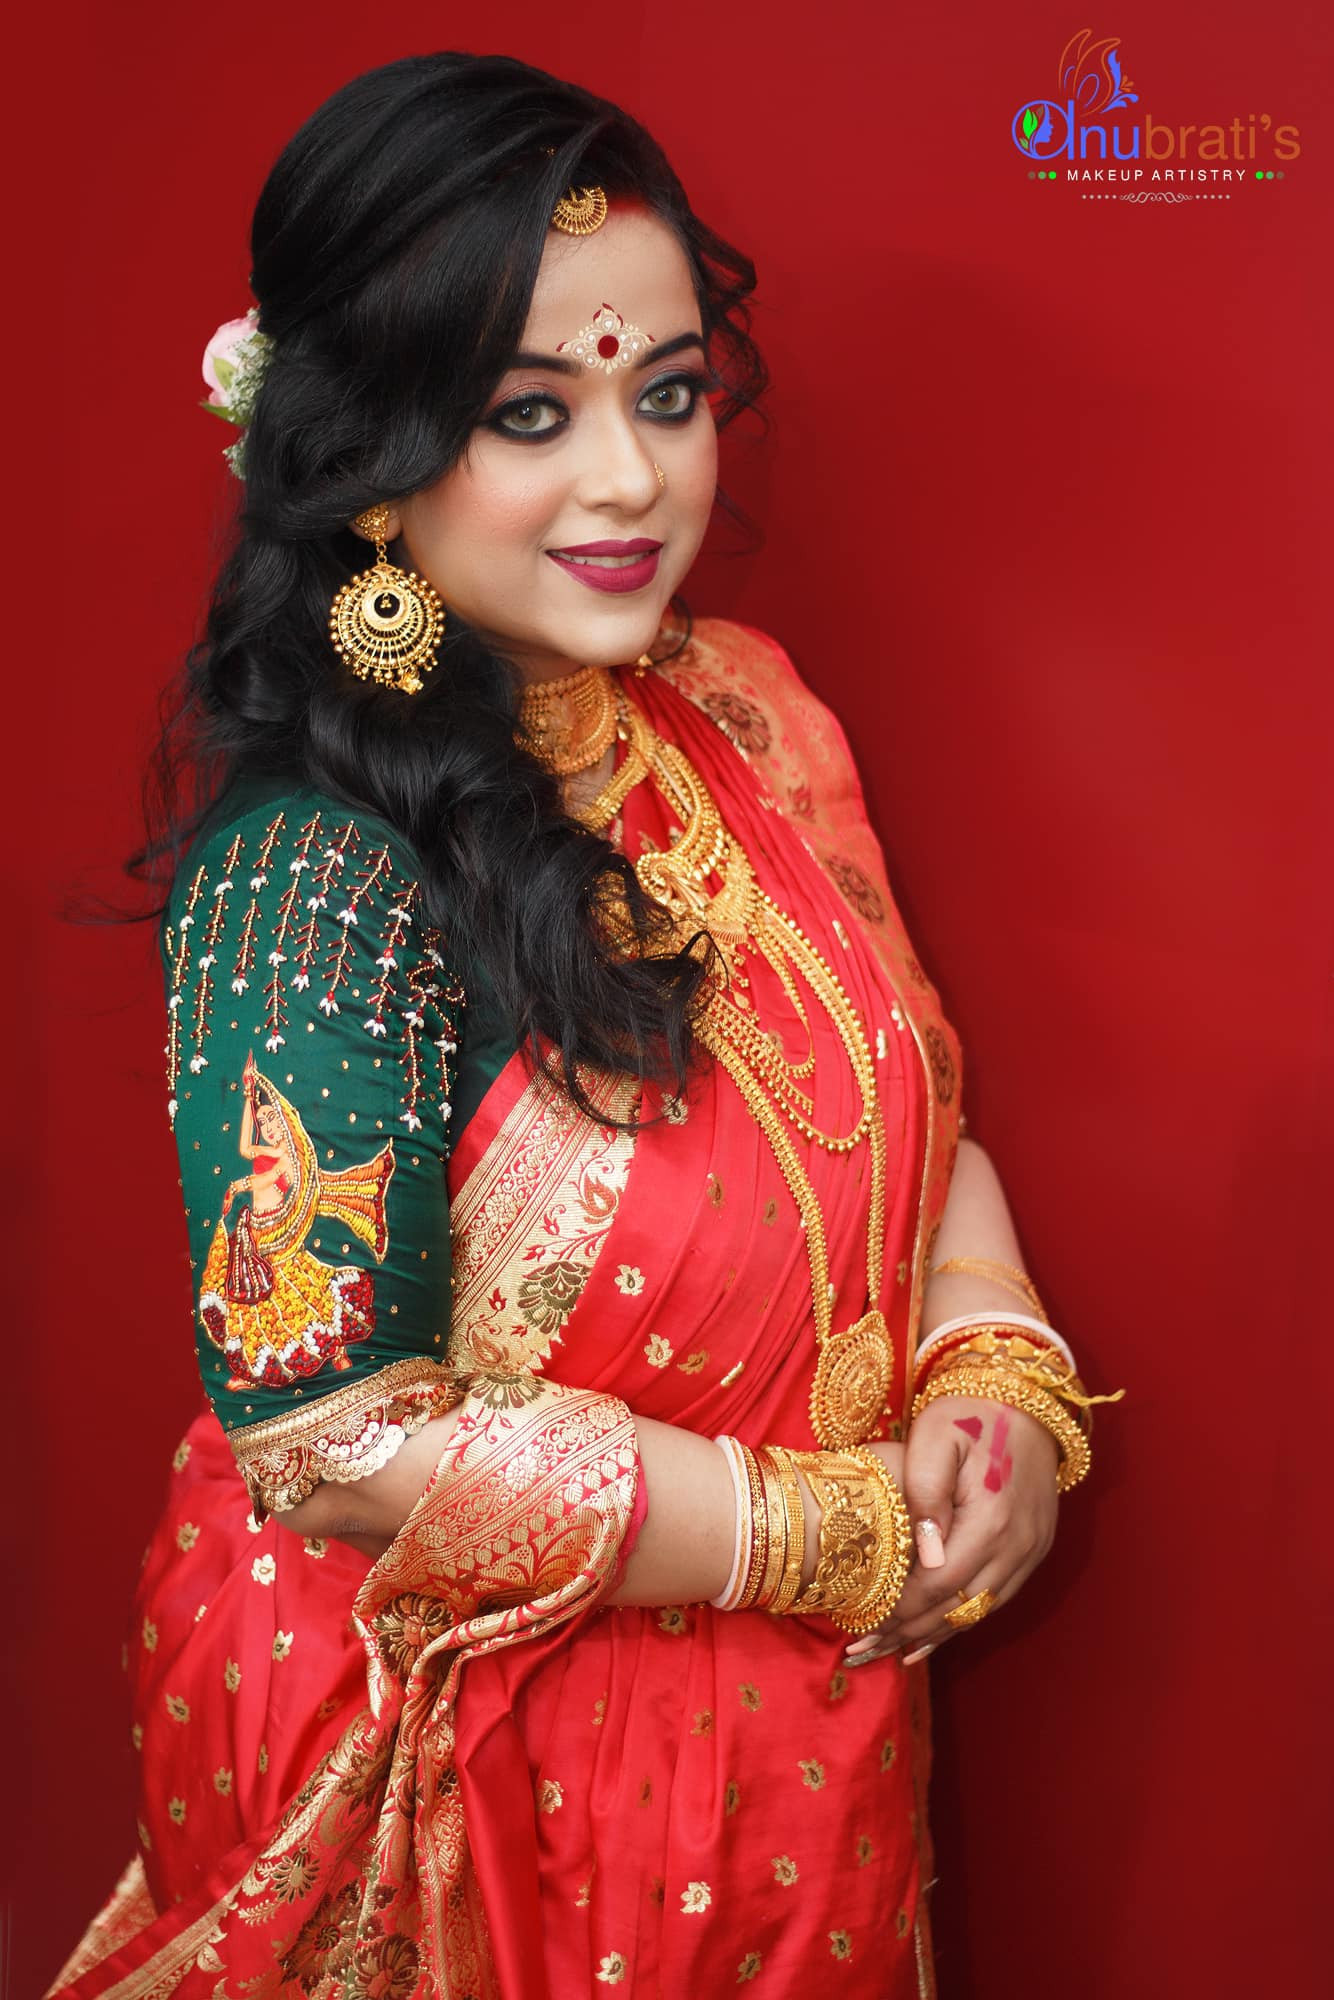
(971, 1425)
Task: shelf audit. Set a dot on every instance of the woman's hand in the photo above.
(985, 1476)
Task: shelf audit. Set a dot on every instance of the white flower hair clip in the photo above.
(235, 361)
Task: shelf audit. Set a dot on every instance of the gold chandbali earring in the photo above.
(387, 623)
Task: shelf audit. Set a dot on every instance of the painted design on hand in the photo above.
(275, 1309)
(607, 342)
(999, 1465)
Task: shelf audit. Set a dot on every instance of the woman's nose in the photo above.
(619, 470)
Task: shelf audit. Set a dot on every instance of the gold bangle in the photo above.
(994, 1384)
(865, 1538)
(1000, 1342)
(759, 1534)
(776, 1521)
(790, 1486)
(1024, 1355)
(1016, 1282)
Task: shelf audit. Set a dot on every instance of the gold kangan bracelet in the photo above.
(866, 1539)
(865, 1535)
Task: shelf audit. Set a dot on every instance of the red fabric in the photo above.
(658, 1799)
(687, 1701)
(263, 1734)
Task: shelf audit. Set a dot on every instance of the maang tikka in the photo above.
(387, 623)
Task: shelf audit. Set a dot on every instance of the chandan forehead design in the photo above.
(607, 342)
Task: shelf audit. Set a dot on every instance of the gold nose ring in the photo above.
(662, 476)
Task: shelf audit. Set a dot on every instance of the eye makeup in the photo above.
(695, 382)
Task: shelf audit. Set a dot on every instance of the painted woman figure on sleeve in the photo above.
(276, 1311)
(602, 1089)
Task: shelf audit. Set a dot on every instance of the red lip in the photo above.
(630, 576)
(606, 548)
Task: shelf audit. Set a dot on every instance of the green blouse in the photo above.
(323, 1055)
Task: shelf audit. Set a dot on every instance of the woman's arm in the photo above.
(976, 1223)
(684, 1551)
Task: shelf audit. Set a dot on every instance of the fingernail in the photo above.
(930, 1547)
(911, 1659)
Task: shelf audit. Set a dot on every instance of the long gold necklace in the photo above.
(854, 1371)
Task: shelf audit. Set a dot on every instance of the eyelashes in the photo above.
(501, 420)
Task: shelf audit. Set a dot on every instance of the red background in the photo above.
(1046, 520)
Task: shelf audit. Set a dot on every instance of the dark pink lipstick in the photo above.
(612, 576)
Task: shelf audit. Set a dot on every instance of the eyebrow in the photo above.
(564, 365)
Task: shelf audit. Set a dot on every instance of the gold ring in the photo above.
(971, 1610)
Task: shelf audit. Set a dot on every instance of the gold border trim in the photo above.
(343, 1436)
(165, 1970)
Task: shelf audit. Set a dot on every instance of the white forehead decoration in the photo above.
(607, 342)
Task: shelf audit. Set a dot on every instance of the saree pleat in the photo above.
(667, 1800)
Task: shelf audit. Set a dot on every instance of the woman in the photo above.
(595, 1051)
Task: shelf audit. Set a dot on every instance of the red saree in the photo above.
(661, 1800)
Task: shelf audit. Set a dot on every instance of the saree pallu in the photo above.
(658, 1800)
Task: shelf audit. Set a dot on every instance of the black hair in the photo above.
(395, 248)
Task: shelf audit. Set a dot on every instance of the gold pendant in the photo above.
(853, 1378)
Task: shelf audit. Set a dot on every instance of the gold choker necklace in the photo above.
(570, 723)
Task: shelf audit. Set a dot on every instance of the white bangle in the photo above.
(731, 1451)
(1050, 1338)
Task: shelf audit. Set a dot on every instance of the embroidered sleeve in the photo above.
(312, 1025)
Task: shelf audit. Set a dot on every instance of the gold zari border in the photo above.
(343, 1436)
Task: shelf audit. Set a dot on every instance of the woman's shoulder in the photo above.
(270, 850)
(266, 820)
(748, 683)
(287, 887)
(298, 915)
(730, 648)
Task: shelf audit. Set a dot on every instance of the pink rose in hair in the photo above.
(234, 364)
(223, 356)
